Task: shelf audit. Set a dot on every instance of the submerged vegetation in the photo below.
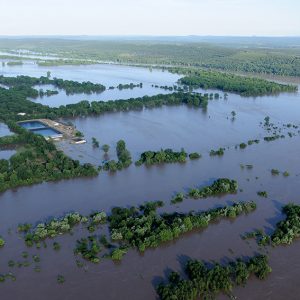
(69, 86)
(143, 228)
(89, 248)
(179, 197)
(165, 156)
(218, 187)
(14, 100)
(124, 158)
(219, 152)
(263, 194)
(162, 156)
(55, 227)
(206, 281)
(288, 229)
(2, 242)
(52, 228)
(261, 238)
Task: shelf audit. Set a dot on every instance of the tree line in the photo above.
(242, 85)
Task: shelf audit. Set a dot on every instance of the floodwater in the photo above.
(4, 152)
(175, 127)
(106, 74)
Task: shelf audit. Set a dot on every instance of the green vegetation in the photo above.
(14, 63)
(273, 138)
(218, 187)
(251, 142)
(163, 156)
(60, 279)
(36, 258)
(118, 253)
(275, 172)
(89, 248)
(2, 242)
(261, 238)
(58, 226)
(56, 246)
(288, 229)
(39, 161)
(123, 154)
(14, 100)
(206, 281)
(255, 55)
(47, 93)
(179, 197)
(96, 218)
(62, 62)
(95, 142)
(219, 152)
(37, 269)
(124, 158)
(194, 155)
(24, 227)
(263, 194)
(52, 228)
(69, 86)
(105, 148)
(9, 275)
(143, 228)
(129, 86)
(11, 263)
(243, 146)
(245, 86)
(112, 166)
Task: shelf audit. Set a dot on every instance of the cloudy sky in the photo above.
(150, 17)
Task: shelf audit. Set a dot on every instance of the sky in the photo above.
(150, 17)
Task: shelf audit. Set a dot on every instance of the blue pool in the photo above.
(38, 127)
(47, 131)
(32, 125)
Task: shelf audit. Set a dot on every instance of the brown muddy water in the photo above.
(195, 130)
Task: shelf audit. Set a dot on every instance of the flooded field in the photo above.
(151, 129)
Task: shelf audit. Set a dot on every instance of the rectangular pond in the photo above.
(31, 125)
(38, 127)
(47, 132)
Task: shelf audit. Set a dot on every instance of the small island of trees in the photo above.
(206, 281)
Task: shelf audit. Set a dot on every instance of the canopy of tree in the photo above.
(38, 161)
(245, 86)
(206, 281)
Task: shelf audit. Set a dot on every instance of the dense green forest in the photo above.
(245, 86)
(277, 58)
(38, 161)
(207, 280)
